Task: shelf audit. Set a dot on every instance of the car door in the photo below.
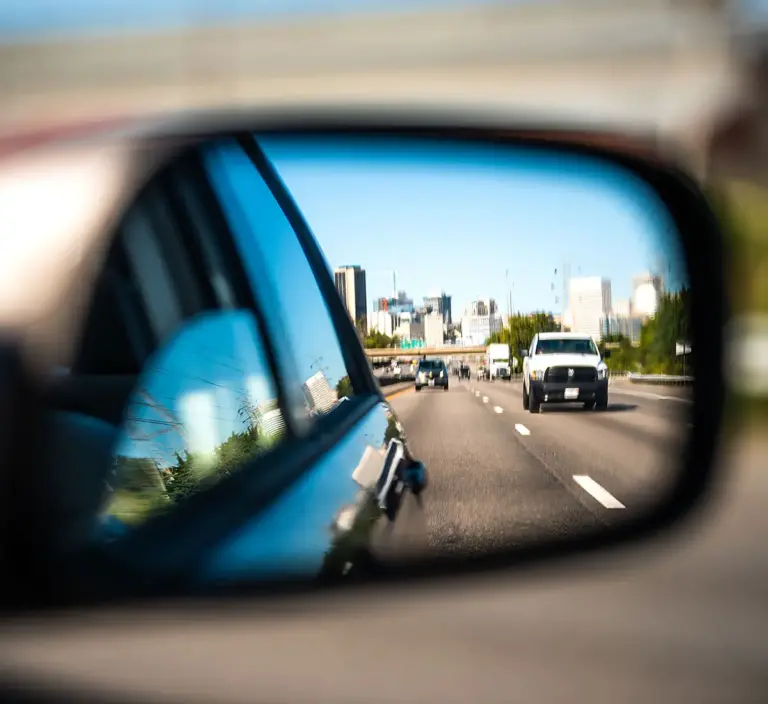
(218, 359)
(360, 463)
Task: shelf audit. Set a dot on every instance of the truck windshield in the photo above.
(566, 346)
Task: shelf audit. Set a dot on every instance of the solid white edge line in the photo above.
(498, 409)
(520, 428)
(597, 492)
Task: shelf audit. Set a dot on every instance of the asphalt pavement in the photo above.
(500, 475)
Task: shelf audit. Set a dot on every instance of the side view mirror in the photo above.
(254, 434)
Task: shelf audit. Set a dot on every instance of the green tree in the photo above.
(344, 387)
(624, 358)
(521, 329)
(661, 333)
(378, 340)
(138, 488)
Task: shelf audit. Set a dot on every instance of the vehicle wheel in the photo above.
(525, 398)
(602, 403)
(446, 387)
(589, 405)
(418, 388)
(534, 405)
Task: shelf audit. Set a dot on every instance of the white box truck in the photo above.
(498, 362)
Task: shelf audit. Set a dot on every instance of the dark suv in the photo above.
(432, 372)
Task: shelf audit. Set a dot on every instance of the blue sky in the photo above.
(457, 218)
(36, 17)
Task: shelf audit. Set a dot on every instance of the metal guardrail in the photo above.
(660, 379)
(390, 379)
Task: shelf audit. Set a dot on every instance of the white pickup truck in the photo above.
(564, 367)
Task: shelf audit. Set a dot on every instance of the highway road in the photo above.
(501, 475)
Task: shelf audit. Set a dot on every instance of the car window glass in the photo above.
(296, 311)
(204, 406)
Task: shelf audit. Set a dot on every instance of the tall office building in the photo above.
(483, 307)
(269, 418)
(433, 330)
(439, 304)
(476, 329)
(646, 292)
(350, 283)
(446, 304)
(626, 326)
(319, 394)
(381, 321)
(590, 305)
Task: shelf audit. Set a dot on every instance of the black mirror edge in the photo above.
(702, 244)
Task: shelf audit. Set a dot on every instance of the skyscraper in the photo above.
(320, 396)
(439, 304)
(445, 300)
(350, 283)
(646, 292)
(590, 304)
(483, 306)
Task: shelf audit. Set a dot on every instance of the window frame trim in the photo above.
(355, 361)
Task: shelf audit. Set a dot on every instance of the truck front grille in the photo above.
(559, 375)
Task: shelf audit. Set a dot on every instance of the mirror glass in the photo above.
(523, 310)
(205, 406)
(470, 252)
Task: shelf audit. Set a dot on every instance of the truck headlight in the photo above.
(602, 373)
(537, 375)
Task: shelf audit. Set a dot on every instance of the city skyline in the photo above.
(473, 222)
(645, 276)
(592, 309)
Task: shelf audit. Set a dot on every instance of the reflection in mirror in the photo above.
(295, 311)
(205, 405)
(525, 313)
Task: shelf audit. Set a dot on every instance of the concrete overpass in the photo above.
(393, 353)
(670, 66)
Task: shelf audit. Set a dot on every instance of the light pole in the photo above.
(509, 298)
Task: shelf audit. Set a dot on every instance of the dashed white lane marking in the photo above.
(520, 428)
(477, 394)
(498, 409)
(596, 491)
(485, 399)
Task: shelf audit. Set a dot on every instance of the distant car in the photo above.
(432, 372)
